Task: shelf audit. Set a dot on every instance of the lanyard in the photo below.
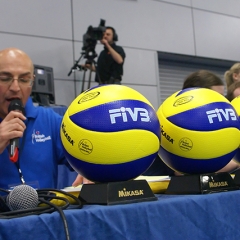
(17, 163)
(20, 172)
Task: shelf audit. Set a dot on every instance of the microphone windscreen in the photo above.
(16, 104)
(22, 197)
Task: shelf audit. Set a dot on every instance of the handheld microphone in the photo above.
(15, 105)
(22, 197)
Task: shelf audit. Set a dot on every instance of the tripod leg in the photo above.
(83, 82)
(99, 79)
(89, 79)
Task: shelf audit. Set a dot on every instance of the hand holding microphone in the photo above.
(15, 105)
(12, 126)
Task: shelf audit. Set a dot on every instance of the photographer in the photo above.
(110, 61)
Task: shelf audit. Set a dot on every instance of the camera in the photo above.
(91, 37)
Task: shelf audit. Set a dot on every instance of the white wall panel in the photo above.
(139, 67)
(40, 18)
(145, 24)
(64, 92)
(227, 7)
(179, 2)
(217, 36)
(47, 52)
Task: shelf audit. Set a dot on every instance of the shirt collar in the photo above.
(30, 109)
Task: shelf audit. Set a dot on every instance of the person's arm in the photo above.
(230, 167)
(89, 66)
(11, 127)
(80, 180)
(116, 56)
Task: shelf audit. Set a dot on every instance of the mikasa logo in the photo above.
(67, 136)
(127, 114)
(219, 114)
(125, 193)
(164, 134)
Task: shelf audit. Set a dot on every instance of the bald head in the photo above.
(17, 56)
(15, 64)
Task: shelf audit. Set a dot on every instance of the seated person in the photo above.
(38, 160)
(204, 79)
(232, 75)
(233, 91)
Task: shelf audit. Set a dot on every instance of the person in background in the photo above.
(233, 91)
(110, 61)
(232, 75)
(202, 79)
(40, 147)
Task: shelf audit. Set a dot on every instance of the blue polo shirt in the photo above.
(40, 150)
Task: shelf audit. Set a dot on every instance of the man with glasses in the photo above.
(40, 148)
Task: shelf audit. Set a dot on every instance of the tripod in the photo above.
(91, 62)
(89, 55)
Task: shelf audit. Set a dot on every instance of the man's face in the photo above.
(108, 35)
(16, 64)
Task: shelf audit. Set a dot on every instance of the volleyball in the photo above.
(236, 104)
(199, 131)
(110, 133)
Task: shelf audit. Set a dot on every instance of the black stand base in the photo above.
(116, 192)
(237, 177)
(203, 183)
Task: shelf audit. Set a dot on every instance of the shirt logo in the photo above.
(127, 114)
(37, 137)
(221, 114)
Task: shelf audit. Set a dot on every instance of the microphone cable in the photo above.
(60, 211)
(45, 196)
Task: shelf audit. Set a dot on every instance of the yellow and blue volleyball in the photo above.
(236, 104)
(199, 131)
(110, 133)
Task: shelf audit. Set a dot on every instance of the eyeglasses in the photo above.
(24, 82)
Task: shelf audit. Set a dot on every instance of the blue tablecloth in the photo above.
(188, 217)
